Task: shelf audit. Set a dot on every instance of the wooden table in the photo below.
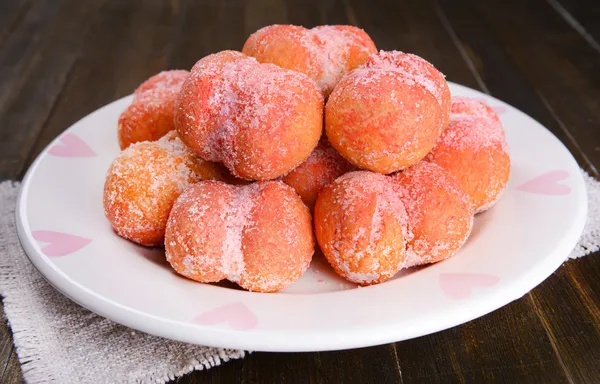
(61, 60)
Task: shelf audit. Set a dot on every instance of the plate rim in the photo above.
(284, 340)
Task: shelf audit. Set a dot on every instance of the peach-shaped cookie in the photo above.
(143, 182)
(383, 117)
(324, 53)
(150, 116)
(421, 72)
(473, 149)
(361, 226)
(259, 235)
(440, 214)
(322, 167)
(465, 107)
(259, 120)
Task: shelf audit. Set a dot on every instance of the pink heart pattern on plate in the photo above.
(236, 315)
(71, 146)
(59, 244)
(460, 285)
(547, 184)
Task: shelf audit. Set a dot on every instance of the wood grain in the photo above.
(369, 365)
(11, 15)
(582, 16)
(206, 27)
(60, 60)
(414, 27)
(313, 13)
(30, 62)
(509, 73)
(117, 28)
(34, 77)
(503, 78)
(558, 64)
(506, 345)
(569, 306)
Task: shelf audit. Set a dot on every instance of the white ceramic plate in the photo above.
(513, 247)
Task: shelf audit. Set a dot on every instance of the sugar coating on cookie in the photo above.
(171, 80)
(322, 167)
(232, 110)
(324, 53)
(380, 117)
(421, 72)
(143, 182)
(361, 226)
(150, 116)
(440, 214)
(258, 236)
(465, 107)
(473, 150)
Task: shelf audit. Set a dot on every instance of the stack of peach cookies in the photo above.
(237, 165)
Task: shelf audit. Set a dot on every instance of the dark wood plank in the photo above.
(303, 13)
(413, 26)
(566, 302)
(123, 39)
(556, 61)
(508, 345)
(260, 13)
(230, 372)
(206, 28)
(582, 16)
(501, 75)
(32, 70)
(367, 365)
(309, 14)
(126, 45)
(416, 26)
(11, 15)
(27, 102)
(20, 50)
